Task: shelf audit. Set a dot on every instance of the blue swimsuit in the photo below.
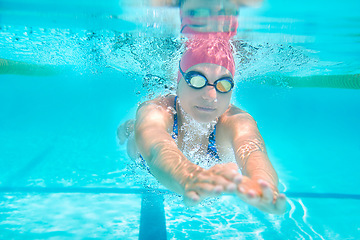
(211, 151)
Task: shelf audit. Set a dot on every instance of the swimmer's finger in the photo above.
(233, 176)
(204, 178)
(248, 195)
(253, 197)
(246, 185)
(191, 198)
(205, 190)
(280, 204)
(212, 179)
(249, 192)
(227, 185)
(229, 172)
(268, 194)
(277, 207)
(220, 180)
(208, 181)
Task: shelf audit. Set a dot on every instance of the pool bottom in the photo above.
(143, 214)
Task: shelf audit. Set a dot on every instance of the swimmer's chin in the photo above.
(205, 117)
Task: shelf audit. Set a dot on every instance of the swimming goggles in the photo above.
(197, 80)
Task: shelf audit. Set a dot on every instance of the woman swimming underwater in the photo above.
(201, 119)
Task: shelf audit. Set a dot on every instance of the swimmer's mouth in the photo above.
(205, 109)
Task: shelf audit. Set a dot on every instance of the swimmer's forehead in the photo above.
(211, 67)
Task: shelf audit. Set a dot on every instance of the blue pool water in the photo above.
(63, 175)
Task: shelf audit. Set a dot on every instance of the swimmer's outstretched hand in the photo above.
(262, 195)
(221, 178)
(225, 178)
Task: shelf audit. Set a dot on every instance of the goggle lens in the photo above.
(223, 86)
(198, 81)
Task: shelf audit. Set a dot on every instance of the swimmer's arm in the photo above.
(166, 162)
(250, 151)
(259, 183)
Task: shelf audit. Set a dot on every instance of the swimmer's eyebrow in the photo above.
(226, 76)
(222, 76)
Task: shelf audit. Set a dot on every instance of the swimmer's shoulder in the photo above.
(234, 111)
(158, 108)
(234, 123)
(235, 117)
(161, 101)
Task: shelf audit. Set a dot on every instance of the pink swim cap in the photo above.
(216, 51)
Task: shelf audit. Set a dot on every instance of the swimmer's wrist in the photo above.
(188, 176)
(266, 175)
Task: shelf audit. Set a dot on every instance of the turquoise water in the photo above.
(63, 175)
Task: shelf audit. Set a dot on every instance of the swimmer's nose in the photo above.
(210, 94)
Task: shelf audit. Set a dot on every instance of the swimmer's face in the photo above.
(205, 104)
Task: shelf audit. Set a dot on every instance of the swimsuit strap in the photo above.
(212, 151)
(175, 126)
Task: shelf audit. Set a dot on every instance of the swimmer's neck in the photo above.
(190, 125)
